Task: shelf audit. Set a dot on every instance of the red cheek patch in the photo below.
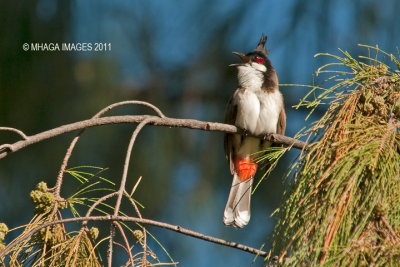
(245, 168)
(260, 60)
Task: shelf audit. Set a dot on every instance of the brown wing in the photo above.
(281, 121)
(230, 118)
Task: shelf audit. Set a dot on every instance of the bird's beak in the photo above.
(242, 57)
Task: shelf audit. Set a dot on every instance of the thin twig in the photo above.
(110, 245)
(171, 227)
(144, 245)
(134, 206)
(63, 167)
(128, 247)
(95, 204)
(130, 102)
(121, 189)
(134, 187)
(19, 132)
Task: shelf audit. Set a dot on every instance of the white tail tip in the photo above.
(237, 210)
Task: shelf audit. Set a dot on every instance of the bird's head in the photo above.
(257, 59)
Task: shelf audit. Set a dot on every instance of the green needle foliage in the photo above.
(344, 206)
(54, 245)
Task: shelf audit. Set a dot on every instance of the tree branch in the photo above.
(6, 149)
(171, 227)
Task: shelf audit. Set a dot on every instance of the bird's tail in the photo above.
(237, 210)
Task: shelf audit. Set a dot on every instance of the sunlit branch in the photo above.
(6, 149)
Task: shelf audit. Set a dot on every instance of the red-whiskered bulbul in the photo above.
(257, 107)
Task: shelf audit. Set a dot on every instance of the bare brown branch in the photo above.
(155, 120)
(171, 227)
(128, 247)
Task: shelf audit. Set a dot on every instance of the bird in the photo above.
(257, 107)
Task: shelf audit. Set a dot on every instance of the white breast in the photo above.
(258, 111)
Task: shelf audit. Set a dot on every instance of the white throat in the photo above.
(250, 75)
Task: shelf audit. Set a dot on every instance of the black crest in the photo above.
(261, 45)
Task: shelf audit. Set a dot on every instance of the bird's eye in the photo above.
(260, 60)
